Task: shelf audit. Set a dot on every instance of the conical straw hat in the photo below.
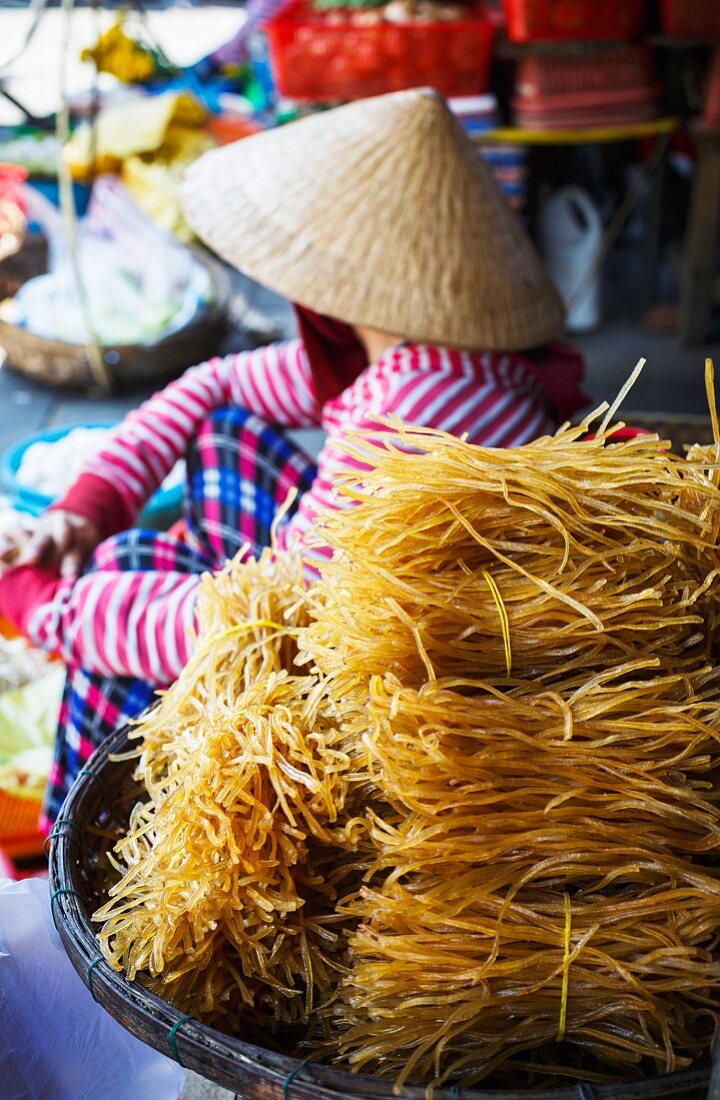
(379, 213)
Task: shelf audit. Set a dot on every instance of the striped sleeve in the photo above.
(116, 623)
(491, 399)
(497, 403)
(275, 383)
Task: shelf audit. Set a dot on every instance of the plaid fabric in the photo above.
(239, 472)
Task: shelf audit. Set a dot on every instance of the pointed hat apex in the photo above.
(379, 213)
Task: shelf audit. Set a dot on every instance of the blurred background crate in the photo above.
(608, 87)
(691, 18)
(327, 56)
(574, 20)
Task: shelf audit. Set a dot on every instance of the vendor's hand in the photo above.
(57, 540)
(15, 533)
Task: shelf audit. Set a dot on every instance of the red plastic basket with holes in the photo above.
(626, 69)
(328, 56)
(573, 20)
(604, 87)
(691, 18)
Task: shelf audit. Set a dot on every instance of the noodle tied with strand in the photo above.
(245, 774)
(453, 811)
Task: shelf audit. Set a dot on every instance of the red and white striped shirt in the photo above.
(140, 624)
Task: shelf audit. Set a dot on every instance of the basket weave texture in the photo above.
(379, 213)
(68, 365)
(95, 813)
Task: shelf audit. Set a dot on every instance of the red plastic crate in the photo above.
(691, 18)
(609, 117)
(573, 20)
(597, 74)
(711, 111)
(330, 56)
(601, 88)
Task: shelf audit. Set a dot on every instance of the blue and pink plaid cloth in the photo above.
(238, 470)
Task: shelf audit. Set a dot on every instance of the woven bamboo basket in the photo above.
(58, 363)
(95, 812)
(682, 429)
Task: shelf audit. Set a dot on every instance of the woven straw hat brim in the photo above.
(379, 213)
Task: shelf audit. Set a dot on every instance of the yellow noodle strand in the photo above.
(365, 821)
(504, 624)
(624, 391)
(712, 402)
(566, 968)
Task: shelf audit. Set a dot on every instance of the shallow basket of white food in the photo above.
(58, 362)
(38, 469)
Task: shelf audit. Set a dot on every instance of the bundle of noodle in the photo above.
(459, 797)
(220, 898)
(549, 879)
(557, 556)
(524, 642)
(248, 617)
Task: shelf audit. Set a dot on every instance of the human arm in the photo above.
(275, 383)
(118, 623)
(56, 540)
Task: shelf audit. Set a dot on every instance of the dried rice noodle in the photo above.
(457, 812)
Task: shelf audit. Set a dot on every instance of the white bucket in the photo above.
(570, 241)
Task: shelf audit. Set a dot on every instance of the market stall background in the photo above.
(673, 379)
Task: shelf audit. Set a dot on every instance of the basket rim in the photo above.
(190, 1042)
(211, 313)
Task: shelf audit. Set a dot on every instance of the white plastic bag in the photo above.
(56, 1043)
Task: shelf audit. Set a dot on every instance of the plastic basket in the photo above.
(617, 117)
(595, 75)
(691, 18)
(573, 20)
(162, 509)
(20, 835)
(605, 87)
(329, 56)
